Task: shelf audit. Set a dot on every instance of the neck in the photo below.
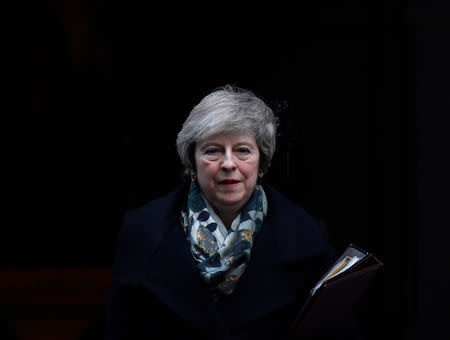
(227, 218)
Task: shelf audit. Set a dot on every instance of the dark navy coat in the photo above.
(156, 291)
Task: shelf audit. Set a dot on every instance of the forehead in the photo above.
(229, 138)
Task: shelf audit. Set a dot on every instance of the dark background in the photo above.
(101, 89)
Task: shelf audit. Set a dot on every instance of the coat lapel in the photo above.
(173, 278)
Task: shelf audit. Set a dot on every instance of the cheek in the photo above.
(250, 170)
(206, 169)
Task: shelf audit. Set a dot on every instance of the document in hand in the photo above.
(331, 300)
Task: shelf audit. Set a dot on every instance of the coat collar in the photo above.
(265, 286)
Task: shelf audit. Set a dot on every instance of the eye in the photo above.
(211, 151)
(243, 150)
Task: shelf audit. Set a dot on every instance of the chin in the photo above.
(232, 200)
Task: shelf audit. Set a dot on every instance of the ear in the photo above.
(260, 176)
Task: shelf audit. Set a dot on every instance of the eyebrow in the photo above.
(204, 145)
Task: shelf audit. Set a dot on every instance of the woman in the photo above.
(223, 256)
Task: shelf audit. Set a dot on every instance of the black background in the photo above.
(100, 90)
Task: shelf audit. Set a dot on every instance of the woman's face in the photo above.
(227, 169)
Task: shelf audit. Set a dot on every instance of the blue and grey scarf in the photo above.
(222, 254)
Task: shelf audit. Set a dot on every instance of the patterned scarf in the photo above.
(222, 254)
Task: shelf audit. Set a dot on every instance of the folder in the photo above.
(329, 307)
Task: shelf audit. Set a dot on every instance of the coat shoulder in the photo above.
(142, 230)
(298, 233)
(155, 210)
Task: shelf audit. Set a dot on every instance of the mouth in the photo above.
(229, 182)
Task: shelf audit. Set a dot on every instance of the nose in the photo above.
(228, 162)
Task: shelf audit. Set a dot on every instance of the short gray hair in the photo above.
(228, 109)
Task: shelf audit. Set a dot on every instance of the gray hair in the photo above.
(228, 109)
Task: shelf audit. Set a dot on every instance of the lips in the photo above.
(229, 181)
